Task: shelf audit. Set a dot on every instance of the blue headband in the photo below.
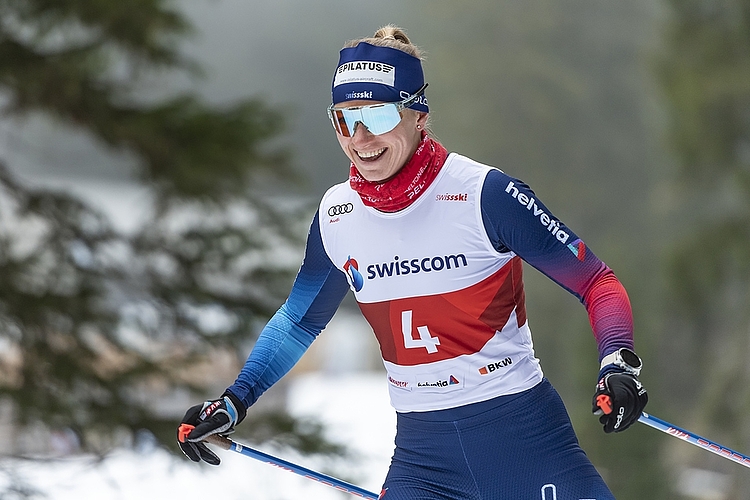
(368, 72)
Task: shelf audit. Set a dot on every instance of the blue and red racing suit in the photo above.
(440, 282)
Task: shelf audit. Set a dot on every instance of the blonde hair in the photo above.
(390, 36)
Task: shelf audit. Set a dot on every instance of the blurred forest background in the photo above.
(160, 162)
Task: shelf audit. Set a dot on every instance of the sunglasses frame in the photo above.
(400, 106)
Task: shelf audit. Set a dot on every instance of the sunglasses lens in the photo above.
(378, 119)
(339, 121)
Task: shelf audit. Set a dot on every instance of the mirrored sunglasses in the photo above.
(378, 118)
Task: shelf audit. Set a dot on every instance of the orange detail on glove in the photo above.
(185, 429)
(604, 402)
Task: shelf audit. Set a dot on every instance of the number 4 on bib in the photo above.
(425, 339)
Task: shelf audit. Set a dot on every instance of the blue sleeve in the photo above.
(516, 220)
(315, 296)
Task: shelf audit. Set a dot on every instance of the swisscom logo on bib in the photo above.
(401, 267)
(404, 267)
(351, 268)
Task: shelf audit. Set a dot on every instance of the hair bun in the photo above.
(390, 36)
(391, 32)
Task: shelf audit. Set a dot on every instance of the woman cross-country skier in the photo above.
(431, 243)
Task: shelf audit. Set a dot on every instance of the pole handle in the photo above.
(222, 442)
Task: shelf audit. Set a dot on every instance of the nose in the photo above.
(361, 131)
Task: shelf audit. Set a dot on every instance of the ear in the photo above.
(422, 119)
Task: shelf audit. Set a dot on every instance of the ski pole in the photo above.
(227, 444)
(694, 439)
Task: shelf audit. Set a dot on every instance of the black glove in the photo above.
(218, 416)
(619, 399)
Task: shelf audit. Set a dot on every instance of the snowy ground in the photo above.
(354, 407)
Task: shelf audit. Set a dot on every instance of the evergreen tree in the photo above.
(99, 329)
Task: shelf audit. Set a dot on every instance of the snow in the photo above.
(353, 406)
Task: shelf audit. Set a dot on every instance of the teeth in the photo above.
(370, 154)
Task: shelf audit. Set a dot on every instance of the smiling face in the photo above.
(380, 157)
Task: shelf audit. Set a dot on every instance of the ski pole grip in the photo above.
(221, 441)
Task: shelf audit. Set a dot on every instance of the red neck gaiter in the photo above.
(408, 184)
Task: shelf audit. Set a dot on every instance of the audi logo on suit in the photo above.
(340, 209)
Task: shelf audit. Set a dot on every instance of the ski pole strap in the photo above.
(694, 439)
